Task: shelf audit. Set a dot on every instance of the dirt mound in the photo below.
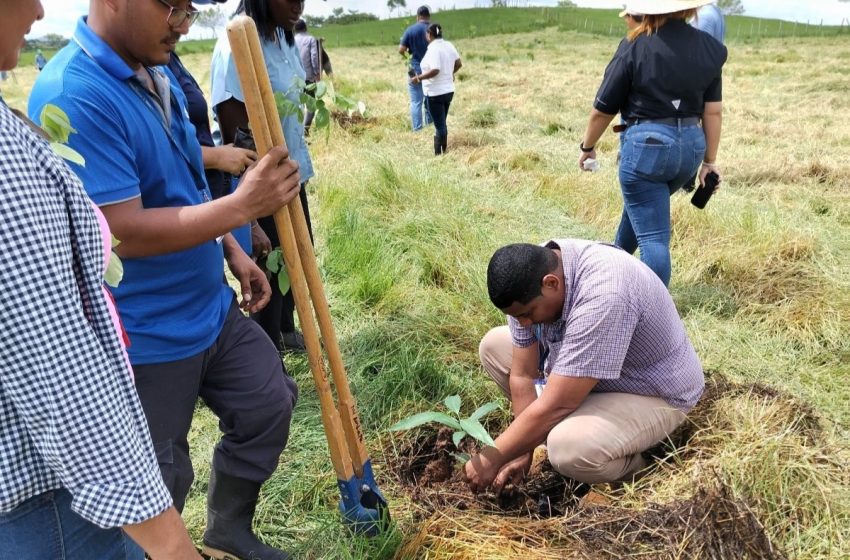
(429, 470)
(355, 119)
(801, 415)
(709, 524)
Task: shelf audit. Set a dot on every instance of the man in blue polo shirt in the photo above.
(414, 43)
(188, 336)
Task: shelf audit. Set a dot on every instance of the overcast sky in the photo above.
(60, 15)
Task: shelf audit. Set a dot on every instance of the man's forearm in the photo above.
(528, 430)
(146, 232)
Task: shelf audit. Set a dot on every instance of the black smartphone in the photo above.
(704, 191)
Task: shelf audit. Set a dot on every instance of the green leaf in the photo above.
(274, 260)
(283, 280)
(484, 410)
(55, 123)
(425, 418)
(67, 153)
(344, 102)
(461, 457)
(114, 270)
(323, 118)
(457, 437)
(476, 430)
(321, 89)
(453, 403)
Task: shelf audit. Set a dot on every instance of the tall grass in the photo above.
(760, 277)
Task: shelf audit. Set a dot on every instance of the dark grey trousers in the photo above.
(242, 380)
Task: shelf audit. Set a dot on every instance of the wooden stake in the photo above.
(266, 127)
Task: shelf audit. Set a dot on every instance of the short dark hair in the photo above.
(435, 30)
(515, 273)
(300, 25)
(423, 11)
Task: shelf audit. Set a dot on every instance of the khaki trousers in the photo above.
(603, 439)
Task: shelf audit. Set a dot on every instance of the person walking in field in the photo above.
(439, 66)
(40, 61)
(80, 476)
(276, 20)
(310, 49)
(709, 18)
(665, 80)
(413, 44)
(598, 330)
(189, 337)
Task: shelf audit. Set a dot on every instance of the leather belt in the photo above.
(672, 121)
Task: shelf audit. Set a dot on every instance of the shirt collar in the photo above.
(101, 52)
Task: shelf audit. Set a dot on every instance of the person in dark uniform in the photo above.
(665, 79)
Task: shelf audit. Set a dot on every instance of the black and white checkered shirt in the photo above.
(69, 414)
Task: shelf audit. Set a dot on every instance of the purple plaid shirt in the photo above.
(619, 325)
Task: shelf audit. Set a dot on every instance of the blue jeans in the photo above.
(656, 160)
(417, 102)
(45, 528)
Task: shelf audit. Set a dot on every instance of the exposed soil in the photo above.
(711, 523)
(355, 119)
(429, 469)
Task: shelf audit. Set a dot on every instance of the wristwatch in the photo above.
(585, 150)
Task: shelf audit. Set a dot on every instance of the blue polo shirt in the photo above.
(173, 305)
(415, 41)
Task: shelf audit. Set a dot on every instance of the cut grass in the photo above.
(760, 277)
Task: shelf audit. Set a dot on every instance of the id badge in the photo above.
(539, 385)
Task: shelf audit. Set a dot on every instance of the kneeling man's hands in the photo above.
(488, 469)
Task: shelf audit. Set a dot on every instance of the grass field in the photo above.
(760, 277)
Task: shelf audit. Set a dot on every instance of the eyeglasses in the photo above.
(177, 17)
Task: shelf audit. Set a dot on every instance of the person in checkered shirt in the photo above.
(598, 331)
(76, 460)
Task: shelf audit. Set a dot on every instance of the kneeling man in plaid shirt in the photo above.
(598, 331)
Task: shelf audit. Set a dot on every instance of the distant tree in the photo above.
(396, 5)
(337, 12)
(499, 3)
(566, 4)
(314, 21)
(732, 7)
(212, 19)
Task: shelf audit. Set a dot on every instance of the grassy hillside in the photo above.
(760, 278)
(480, 22)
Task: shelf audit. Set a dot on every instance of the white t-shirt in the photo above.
(441, 55)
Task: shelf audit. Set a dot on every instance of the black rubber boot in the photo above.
(231, 503)
(444, 142)
(436, 145)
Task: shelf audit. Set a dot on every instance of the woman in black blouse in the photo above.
(665, 79)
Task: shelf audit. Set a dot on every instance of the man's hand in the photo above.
(707, 168)
(260, 242)
(233, 160)
(256, 291)
(513, 472)
(481, 470)
(269, 185)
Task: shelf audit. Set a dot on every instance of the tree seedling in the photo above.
(317, 99)
(469, 426)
